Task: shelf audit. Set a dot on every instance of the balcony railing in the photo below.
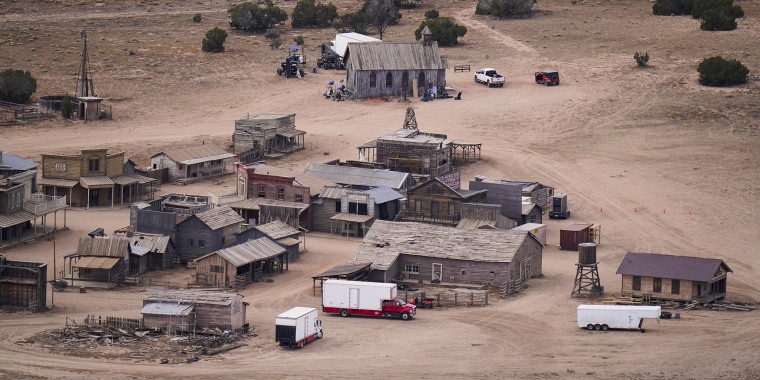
(40, 204)
(412, 216)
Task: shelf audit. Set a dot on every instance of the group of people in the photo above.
(335, 92)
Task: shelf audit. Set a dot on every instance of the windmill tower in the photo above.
(85, 87)
(410, 121)
(587, 280)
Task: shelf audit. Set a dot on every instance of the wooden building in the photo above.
(193, 310)
(207, 232)
(189, 164)
(23, 285)
(278, 231)
(266, 136)
(362, 178)
(383, 69)
(483, 216)
(343, 211)
(410, 151)
(19, 170)
(151, 251)
(436, 202)
(256, 211)
(161, 216)
(92, 178)
(522, 202)
(23, 220)
(98, 259)
(668, 277)
(419, 251)
(264, 181)
(241, 264)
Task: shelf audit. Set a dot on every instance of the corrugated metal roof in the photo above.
(125, 180)
(353, 218)
(167, 308)
(196, 154)
(333, 192)
(527, 208)
(194, 297)
(383, 194)
(387, 56)
(116, 246)
(266, 116)
(386, 240)
(253, 204)
(151, 242)
(668, 266)
(94, 262)
(248, 252)
(349, 175)
(276, 229)
(56, 182)
(315, 184)
(219, 217)
(15, 218)
(96, 182)
(415, 136)
(11, 161)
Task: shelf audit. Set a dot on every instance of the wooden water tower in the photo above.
(587, 281)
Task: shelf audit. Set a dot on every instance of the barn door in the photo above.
(437, 272)
(353, 298)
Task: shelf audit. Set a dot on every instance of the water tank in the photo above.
(587, 253)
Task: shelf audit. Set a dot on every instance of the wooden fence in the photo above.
(451, 297)
(116, 322)
(461, 68)
(511, 287)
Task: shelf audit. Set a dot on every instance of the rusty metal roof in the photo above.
(219, 217)
(668, 266)
(248, 252)
(276, 229)
(95, 262)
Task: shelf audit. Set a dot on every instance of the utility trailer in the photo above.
(604, 317)
(297, 327)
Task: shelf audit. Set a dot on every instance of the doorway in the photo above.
(437, 272)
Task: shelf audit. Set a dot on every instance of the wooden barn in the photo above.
(522, 202)
(207, 232)
(188, 164)
(278, 231)
(679, 278)
(270, 136)
(436, 202)
(384, 69)
(23, 285)
(362, 178)
(241, 264)
(193, 310)
(419, 251)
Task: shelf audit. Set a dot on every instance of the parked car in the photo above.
(547, 77)
(489, 77)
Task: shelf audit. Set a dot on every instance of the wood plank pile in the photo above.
(622, 301)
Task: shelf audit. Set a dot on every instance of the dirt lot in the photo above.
(613, 136)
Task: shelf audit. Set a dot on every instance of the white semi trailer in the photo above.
(604, 317)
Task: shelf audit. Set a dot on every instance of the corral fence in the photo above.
(450, 297)
(115, 322)
(511, 287)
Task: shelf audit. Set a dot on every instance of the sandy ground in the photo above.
(616, 138)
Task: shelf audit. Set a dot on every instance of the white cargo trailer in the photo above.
(341, 41)
(377, 299)
(603, 317)
(297, 327)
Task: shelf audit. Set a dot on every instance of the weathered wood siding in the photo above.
(686, 292)
(322, 214)
(61, 167)
(536, 215)
(161, 161)
(191, 232)
(203, 270)
(457, 271)
(155, 222)
(169, 322)
(359, 81)
(224, 317)
(509, 196)
(415, 158)
(24, 295)
(114, 164)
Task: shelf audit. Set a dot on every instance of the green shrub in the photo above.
(505, 8)
(214, 41)
(272, 34)
(275, 43)
(309, 13)
(406, 4)
(719, 72)
(255, 18)
(357, 22)
(431, 14)
(672, 7)
(17, 86)
(717, 19)
(443, 30)
(197, 17)
(67, 106)
(700, 6)
(298, 40)
(641, 59)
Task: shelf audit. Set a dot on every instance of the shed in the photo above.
(193, 310)
(23, 285)
(240, 264)
(537, 229)
(280, 232)
(572, 235)
(186, 164)
(356, 271)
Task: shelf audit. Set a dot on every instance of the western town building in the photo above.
(193, 310)
(23, 285)
(266, 136)
(436, 202)
(278, 231)
(187, 165)
(362, 178)
(206, 232)
(522, 202)
(241, 264)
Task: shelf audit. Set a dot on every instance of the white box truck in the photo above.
(376, 299)
(603, 317)
(297, 327)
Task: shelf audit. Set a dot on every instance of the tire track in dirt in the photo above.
(466, 17)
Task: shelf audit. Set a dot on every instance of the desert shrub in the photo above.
(275, 43)
(672, 7)
(17, 86)
(197, 17)
(67, 106)
(443, 29)
(406, 4)
(272, 34)
(256, 18)
(357, 22)
(431, 14)
(505, 8)
(641, 59)
(720, 72)
(718, 19)
(310, 13)
(298, 40)
(214, 41)
(381, 14)
(701, 6)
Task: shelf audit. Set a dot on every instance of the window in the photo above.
(675, 287)
(636, 282)
(155, 166)
(190, 242)
(357, 208)
(657, 285)
(389, 80)
(217, 269)
(201, 243)
(412, 268)
(281, 194)
(373, 79)
(337, 206)
(299, 198)
(417, 206)
(405, 80)
(94, 165)
(451, 209)
(464, 272)
(262, 191)
(421, 79)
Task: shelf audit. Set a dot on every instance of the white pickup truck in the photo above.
(489, 77)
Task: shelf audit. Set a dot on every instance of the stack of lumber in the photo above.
(622, 301)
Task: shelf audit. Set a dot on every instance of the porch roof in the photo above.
(57, 182)
(96, 262)
(355, 218)
(99, 182)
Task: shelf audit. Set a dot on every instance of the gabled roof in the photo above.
(167, 308)
(314, 183)
(385, 241)
(387, 56)
(383, 194)
(149, 242)
(219, 217)
(248, 252)
(207, 297)
(350, 175)
(10, 161)
(116, 246)
(196, 154)
(667, 266)
(276, 229)
(464, 194)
